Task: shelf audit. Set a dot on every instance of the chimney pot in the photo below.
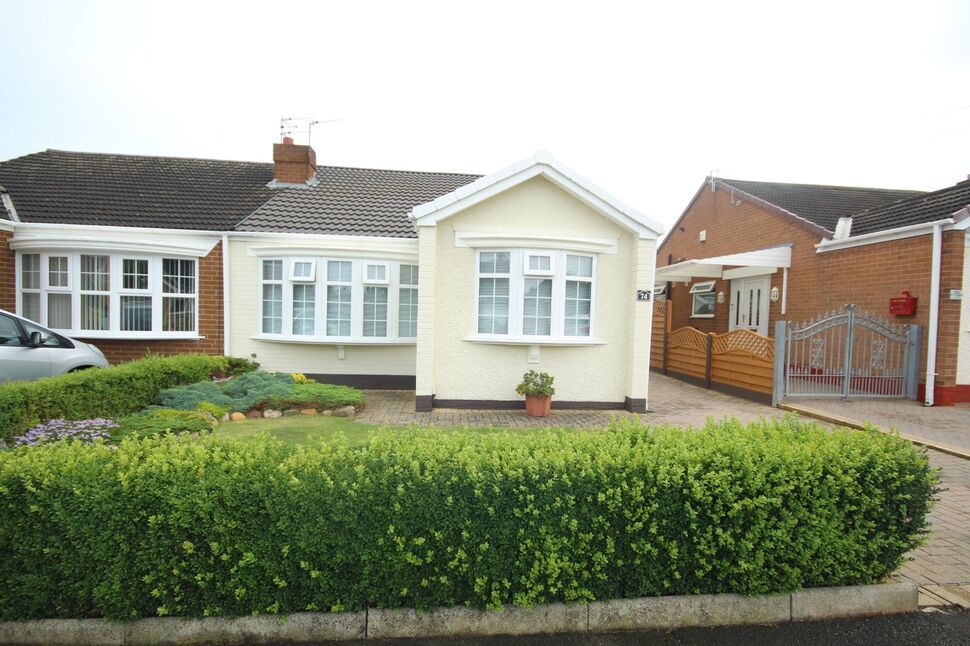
(288, 141)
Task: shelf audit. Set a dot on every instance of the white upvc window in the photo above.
(549, 299)
(304, 271)
(104, 295)
(271, 285)
(349, 300)
(702, 300)
(407, 325)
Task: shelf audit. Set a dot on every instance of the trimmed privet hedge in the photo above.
(108, 392)
(422, 518)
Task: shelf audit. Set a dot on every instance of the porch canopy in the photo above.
(743, 265)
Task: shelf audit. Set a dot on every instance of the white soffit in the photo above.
(542, 163)
(103, 241)
(749, 263)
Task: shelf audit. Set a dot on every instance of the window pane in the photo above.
(94, 274)
(30, 271)
(59, 311)
(579, 266)
(537, 307)
(94, 312)
(409, 274)
(304, 309)
(272, 270)
(375, 311)
(273, 309)
(134, 273)
(493, 305)
(703, 304)
(578, 303)
(494, 262)
(178, 276)
(136, 313)
(178, 314)
(339, 271)
(30, 306)
(9, 332)
(57, 271)
(46, 338)
(377, 272)
(338, 310)
(408, 313)
(540, 263)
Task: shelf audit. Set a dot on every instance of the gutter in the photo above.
(886, 235)
(934, 322)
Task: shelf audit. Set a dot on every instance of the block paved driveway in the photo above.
(941, 567)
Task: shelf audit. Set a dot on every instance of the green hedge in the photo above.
(419, 519)
(108, 392)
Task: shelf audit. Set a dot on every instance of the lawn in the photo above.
(307, 430)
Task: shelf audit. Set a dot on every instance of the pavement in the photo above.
(941, 568)
(916, 629)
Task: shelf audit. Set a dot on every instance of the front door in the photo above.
(749, 303)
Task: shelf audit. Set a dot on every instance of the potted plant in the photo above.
(538, 391)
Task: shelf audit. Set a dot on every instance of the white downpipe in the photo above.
(225, 295)
(934, 314)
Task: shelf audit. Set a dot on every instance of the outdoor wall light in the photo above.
(774, 294)
(720, 297)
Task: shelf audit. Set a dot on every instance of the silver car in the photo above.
(29, 351)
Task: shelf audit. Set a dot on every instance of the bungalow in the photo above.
(450, 284)
(745, 254)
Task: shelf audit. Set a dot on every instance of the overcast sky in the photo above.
(643, 99)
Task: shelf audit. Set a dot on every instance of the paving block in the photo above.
(688, 610)
(469, 622)
(854, 601)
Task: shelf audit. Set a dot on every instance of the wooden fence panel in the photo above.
(743, 359)
(661, 325)
(687, 352)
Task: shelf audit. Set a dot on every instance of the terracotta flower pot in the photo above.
(538, 406)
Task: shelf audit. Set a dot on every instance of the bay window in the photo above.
(350, 300)
(104, 295)
(528, 295)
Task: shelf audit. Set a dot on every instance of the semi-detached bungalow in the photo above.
(745, 254)
(450, 284)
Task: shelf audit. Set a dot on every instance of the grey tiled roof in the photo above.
(353, 201)
(823, 205)
(928, 207)
(134, 191)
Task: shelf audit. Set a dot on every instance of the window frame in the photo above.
(311, 278)
(115, 292)
(281, 281)
(519, 259)
(704, 290)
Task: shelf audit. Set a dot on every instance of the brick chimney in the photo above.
(293, 164)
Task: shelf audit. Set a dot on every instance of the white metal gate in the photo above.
(844, 354)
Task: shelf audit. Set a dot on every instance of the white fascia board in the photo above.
(104, 228)
(476, 240)
(7, 225)
(430, 213)
(748, 272)
(911, 231)
(8, 205)
(338, 246)
(131, 241)
(687, 271)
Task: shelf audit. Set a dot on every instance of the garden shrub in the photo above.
(189, 397)
(314, 395)
(164, 420)
(251, 390)
(213, 409)
(108, 392)
(165, 526)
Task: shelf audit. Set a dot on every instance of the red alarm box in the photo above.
(904, 305)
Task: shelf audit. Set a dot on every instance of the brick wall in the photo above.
(8, 281)
(210, 320)
(867, 276)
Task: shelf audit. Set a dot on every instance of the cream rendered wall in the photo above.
(313, 358)
(963, 345)
(472, 370)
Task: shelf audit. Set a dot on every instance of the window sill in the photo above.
(333, 340)
(702, 316)
(129, 336)
(578, 341)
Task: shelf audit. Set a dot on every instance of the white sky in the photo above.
(643, 99)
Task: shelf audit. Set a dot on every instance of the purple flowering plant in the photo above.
(83, 430)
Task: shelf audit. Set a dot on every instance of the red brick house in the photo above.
(747, 254)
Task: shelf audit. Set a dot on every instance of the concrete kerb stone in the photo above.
(688, 611)
(854, 600)
(459, 622)
(300, 627)
(596, 617)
